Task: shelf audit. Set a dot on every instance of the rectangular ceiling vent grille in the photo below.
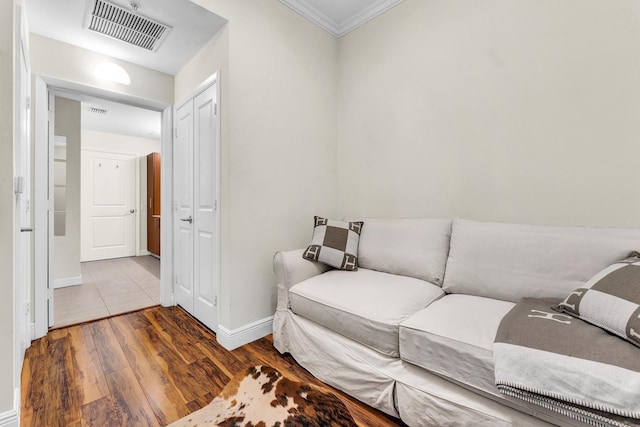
(128, 26)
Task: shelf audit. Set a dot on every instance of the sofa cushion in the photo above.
(511, 262)
(453, 337)
(366, 306)
(334, 243)
(414, 247)
(611, 299)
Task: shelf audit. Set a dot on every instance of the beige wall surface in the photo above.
(116, 143)
(522, 111)
(66, 249)
(278, 142)
(7, 345)
(73, 64)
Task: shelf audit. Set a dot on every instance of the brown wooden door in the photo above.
(153, 210)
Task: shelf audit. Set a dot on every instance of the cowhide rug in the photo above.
(262, 397)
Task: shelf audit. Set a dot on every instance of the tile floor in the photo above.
(109, 287)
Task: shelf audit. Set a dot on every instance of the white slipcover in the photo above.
(453, 337)
(366, 306)
(512, 261)
(414, 247)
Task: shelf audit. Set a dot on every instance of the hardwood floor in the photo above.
(147, 368)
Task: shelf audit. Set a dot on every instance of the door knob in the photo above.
(132, 211)
(189, 220)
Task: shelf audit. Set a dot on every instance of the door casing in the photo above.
(43, 201)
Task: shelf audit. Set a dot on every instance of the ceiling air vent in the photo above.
(126, 25)
(97, 110)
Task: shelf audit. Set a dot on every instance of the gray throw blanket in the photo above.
(567, 365)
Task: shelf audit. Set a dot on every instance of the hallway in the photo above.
(110, 287)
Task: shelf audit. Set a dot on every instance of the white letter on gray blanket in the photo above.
(551, 316)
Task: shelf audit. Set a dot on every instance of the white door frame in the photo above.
(41, 207)
(44, 235)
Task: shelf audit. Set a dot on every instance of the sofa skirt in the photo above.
(397, 388)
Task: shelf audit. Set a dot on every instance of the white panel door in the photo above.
(108, 205)
(22, 204)
(183, 205)
(204, 208)
(196, 191)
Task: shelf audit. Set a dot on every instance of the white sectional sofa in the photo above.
(411, 331)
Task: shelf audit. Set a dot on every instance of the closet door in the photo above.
(196, 205)
(183, 205)
(153, 207)
(204, 208)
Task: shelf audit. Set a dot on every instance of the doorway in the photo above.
(101, 263)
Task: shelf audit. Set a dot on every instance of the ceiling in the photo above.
(192, 27)
(340, 16)
(120, 118)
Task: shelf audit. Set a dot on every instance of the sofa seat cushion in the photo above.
(366, 306)
(453, 337)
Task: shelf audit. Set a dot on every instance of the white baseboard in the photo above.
(67, 281)
(245, 334)
(144, 252)
(12, 418)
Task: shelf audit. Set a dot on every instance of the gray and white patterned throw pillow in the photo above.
(335, 243)
(611, 299)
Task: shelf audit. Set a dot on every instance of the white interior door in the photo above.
(196, 189)
(183, 190)
(22, 186)
(108, 205)
(204, 208)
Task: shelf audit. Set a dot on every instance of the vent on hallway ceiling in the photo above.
(126, 25)
(97, 110)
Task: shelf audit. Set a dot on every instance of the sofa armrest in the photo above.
(291, 268)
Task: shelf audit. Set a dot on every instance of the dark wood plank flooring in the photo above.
(147, 368)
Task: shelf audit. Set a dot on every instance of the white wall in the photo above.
(66, 248)
(278, 142)
(7, 343)
(70, 63)
(124, 144)
(505, 110)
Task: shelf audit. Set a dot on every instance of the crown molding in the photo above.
(339, 29)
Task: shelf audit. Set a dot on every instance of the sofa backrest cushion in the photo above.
(413, 247)
(510, 262)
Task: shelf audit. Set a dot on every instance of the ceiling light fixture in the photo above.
(112, 72)
(134, 6)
